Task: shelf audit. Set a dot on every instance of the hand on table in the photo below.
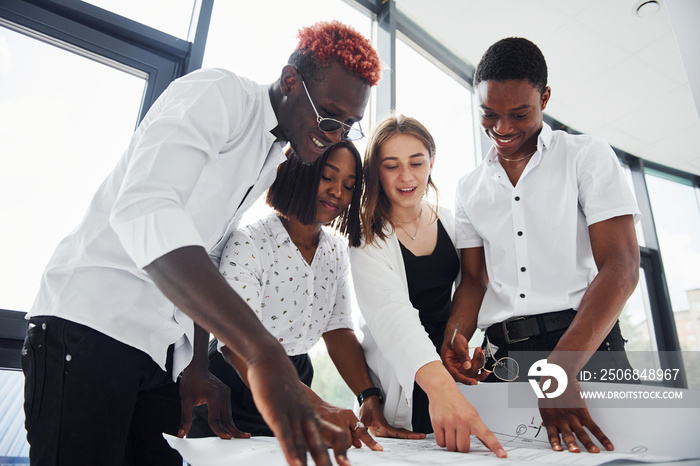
(565, 417)
(455, 420)
(345, 419)
(202, 387)
(372, 417)
(283, 403)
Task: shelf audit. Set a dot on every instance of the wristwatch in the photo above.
(370, 392)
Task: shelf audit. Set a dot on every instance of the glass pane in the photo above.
(64, 121)
(13, 437)
(677, 218)
(638, 225)
(170, 16)
(327, 382)
(636, 321)
(443, 105)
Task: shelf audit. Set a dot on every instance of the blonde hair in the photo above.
(376, 208)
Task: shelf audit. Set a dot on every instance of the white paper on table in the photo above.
(266, 451)
(668, 433)
(641, 435)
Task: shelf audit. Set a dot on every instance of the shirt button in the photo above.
(522, 295)
(522, 269)
(520, 233)
(517, 198)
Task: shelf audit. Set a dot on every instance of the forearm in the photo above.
(189, 279)
(236, 363)
(346, 353)
(466, 303)
(435, 381)
(468, 296)
(200, 357)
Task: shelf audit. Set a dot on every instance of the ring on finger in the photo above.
(359, 425)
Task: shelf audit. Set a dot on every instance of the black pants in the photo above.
(246, 416)
(609, 355)
(92, 400)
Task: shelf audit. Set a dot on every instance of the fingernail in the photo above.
(181, 433)
(502, 453)
(558, 447)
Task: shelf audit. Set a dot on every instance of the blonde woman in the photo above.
(403, 275)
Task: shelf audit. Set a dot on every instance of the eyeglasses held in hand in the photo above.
(331, 125)
(506, 369)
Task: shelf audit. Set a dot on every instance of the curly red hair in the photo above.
(334, 41)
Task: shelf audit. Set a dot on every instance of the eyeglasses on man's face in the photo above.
(331, 125)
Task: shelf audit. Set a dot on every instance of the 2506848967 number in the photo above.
(615, 375)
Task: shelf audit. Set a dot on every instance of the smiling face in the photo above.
(341, 95)
(404, 169)
(336, 186)
(511, 114)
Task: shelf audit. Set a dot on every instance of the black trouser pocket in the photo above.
(34, 368)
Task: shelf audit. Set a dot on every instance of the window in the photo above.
(443, 105)
(64, 121)
(13, 443)
(636, 321)
(677, 218)
(151, 13)
(638, 225)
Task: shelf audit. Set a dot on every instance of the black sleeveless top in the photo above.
(430, 279)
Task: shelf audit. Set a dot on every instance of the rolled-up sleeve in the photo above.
(466, 235)
(183, 132)
(603, 190)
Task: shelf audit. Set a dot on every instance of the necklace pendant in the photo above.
(413, 237)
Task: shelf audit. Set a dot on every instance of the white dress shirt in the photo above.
(297, 302)
(535, 234)
(181, 182)
(394, 341)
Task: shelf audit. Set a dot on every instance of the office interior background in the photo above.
(76, 78)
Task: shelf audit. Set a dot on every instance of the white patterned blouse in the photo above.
(297, 302)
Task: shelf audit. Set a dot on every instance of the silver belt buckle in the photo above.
(505, 330)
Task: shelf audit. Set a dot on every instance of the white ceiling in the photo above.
(612, 73)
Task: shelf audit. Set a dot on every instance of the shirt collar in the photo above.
(277, 229)
(543, 143)
(545, 137)
(281, 235)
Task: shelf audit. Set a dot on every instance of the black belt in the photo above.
(523, 328)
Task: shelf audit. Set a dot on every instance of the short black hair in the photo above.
(513, 58)
(294, 193)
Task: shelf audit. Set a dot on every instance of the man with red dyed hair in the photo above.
(113, 325)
